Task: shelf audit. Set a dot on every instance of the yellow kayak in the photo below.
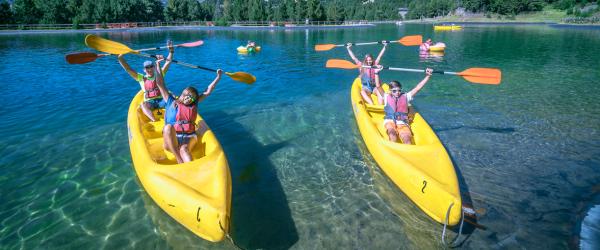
(423, 171)
(243, 49)
(196, 194)
(438, 47)
(447, 27)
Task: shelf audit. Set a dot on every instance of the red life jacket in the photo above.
(185, 118)
(151, 90)
(367, 76)
(397, 108)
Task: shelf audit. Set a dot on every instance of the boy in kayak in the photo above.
(368, 77)
(152, 97)
(179, 133)
(424, 48)
(396, 121)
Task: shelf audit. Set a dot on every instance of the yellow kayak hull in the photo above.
(243, 49)
(447, 27)
(196, 194)
(437, 48)
(423, 171)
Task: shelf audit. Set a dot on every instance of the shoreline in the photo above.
(161, 28)
(479, 23)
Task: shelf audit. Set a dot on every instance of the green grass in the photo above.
(548, 14)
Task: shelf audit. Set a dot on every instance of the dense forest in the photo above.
(106, 11)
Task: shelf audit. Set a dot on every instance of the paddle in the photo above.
(83, 57)
(473, 75)
(86, 57)
(406, 41)
(116, 48)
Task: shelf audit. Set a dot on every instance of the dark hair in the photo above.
(394, 84)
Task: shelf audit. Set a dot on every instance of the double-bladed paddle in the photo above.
(86, 57)
(406, 41)
(112, 47)
(473, 75)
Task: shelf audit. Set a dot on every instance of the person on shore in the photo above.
(152, 98)
(179, 132)
(424, 48)
(368, 76)
(396, 120)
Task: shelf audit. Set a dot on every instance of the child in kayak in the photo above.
(152, 97)
(179, 133)
(424, 48)
(396, 121)
(368, 77)
(250, 46)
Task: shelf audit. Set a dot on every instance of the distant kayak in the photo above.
(447, 27)
(438, 47)
(243, 49)
(197, 194)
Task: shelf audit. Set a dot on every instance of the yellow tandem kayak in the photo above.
(243, 49)
(447, 27)
(196, 194)
(423, 171)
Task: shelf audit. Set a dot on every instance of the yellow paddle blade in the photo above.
(324, 47)
(411, 40)
(340, 64)
(242, 77)
(107, 46)
(482, 75)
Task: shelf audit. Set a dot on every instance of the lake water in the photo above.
(527, 151)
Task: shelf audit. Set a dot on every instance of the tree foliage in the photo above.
(105, 11)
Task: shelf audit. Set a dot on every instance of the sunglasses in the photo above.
(191, 97)
(149, 67)
(396, 90)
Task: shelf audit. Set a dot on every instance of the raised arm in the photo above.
(419, 86)
(126, 67)
(352, 54)
(160, 80)
(385, 44)
(169, 57)
(212, 85)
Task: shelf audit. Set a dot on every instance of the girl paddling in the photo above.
(368, 76)
(152, 98)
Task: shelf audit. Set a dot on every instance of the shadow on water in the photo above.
(491, 129)
(261, 217)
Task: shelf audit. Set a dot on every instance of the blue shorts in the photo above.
(185, 138)
(366, 85)
(156, 103)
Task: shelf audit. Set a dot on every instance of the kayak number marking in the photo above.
(198, 214)
(424, 185)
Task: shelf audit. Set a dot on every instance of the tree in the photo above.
(300, 13)
(255, 10)
(314, 10)
(6, 14)
(335, 11)
(25, 12)
(290, 9)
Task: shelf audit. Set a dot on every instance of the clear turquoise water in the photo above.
(527, 151)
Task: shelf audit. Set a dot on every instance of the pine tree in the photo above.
(6, 14)
(25, 12)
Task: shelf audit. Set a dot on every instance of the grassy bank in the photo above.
(548, 15)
